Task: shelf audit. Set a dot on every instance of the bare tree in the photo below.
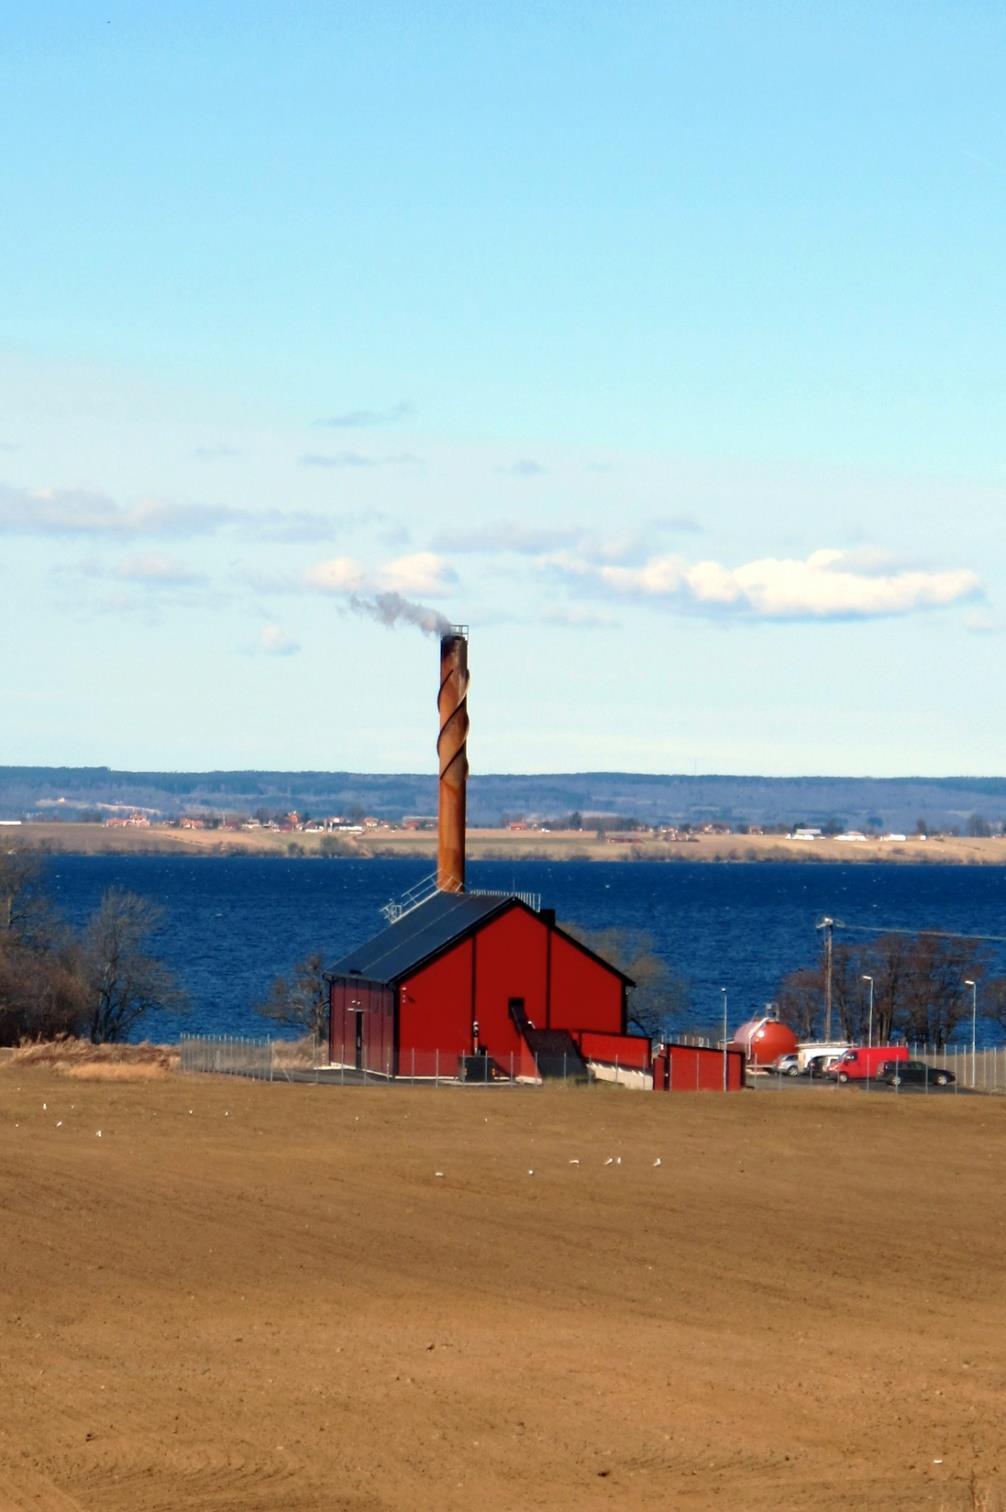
(918, 987)
(25, 913)
(799, 1001)
(124, 982)
(40, 987)
(301, 999)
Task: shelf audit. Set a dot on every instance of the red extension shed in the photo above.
(474, 975)
(697, 1068)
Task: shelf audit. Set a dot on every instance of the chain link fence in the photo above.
(974, 1070)
(310, 1060)
(954, 1068)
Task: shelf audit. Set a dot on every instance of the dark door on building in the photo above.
(518, 1014)
(358, 1059)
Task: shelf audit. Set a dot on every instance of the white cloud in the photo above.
(358, 418)
(577, 617)
(275, 641)
(509, 535)
(524, 467)
(422, 572)
(77, 512)
(338, 575)
(155, 567)
(828, 584)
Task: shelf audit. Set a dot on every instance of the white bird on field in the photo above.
(98, 1134)
(438, 1173)
(618, 1160)
(610, 1160)
(530, 1172)
(45, 1107)
(59, 1123)
(658, 1161)
(574, 1162)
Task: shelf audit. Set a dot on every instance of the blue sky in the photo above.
(663, 345)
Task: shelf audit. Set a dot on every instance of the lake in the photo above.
(231, 924)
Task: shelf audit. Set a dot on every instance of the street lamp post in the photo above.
(869, 1035)
(968, 982)
(726, 1036)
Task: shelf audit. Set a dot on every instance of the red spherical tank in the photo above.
(764, 1039)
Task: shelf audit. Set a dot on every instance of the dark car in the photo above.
(915, 1073)
(816, 1065)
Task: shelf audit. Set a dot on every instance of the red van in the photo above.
(866, 1060)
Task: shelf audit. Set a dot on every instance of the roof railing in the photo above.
(533, 900)
(421, 892)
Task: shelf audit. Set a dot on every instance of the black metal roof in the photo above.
(421, 933)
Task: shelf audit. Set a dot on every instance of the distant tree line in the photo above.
(96, 982)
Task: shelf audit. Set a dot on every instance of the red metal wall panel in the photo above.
(361, 1024)
(629, 1050)
(511, 961)
(695, 1068)
(435, 1014)
(583, 994)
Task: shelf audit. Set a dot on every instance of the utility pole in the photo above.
(828, 925)
(726, 1035)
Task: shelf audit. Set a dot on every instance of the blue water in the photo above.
(231, 924)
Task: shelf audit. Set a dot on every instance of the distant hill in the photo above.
(892, 803)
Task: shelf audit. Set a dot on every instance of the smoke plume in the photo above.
(390, 608)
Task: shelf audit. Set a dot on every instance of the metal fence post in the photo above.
(436, 1068)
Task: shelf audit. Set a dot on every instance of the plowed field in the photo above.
(262, 1297)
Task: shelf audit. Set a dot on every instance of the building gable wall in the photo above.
(511, 961)
(584, 994)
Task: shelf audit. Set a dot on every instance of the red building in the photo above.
(473, 984)
(697, 1068)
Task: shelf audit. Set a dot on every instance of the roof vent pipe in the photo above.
(452, 750)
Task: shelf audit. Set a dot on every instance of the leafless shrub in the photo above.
(295, 1053)
(125, 1071)
(62, 1054)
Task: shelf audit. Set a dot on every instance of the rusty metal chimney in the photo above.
(452, 749)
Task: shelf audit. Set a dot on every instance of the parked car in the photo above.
(787, 1065)
(865, 1061)
(914, 1072)
(818, 1065)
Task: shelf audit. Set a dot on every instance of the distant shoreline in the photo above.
(498, 844)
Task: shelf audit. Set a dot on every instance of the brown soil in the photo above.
(262, 1297)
